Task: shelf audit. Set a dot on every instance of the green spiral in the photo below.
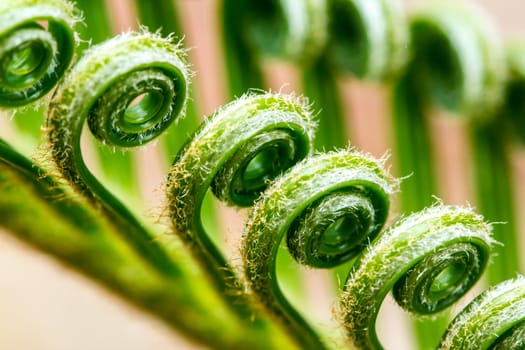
(458, 64)
(102, 88)
(429, 259)
(295, 30)
(493, 320)
(330, 206)
(458, 57)
(369, 37)
(235, 152)
(37, 42)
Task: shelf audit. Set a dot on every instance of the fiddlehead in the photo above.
(36, 47)
(365, 38)
(429, 259)
(369, 38)
(235, 152)
(101, 88)
(330, 206)
(458, 58)
(493, 320)
(294, 30)
(457, 64)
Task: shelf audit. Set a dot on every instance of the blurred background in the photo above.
(44, 306)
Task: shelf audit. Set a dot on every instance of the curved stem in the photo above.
(430, 259)
(77, 236)
(457, 64)
(367, 38)
(493, 320)
(37, 41)
(117, 167)
(102, 87)
(33, 58)
(236, 152)
(495, 196)
(331, 205)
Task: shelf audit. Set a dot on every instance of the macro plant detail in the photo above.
(34, 58)
(324, 208)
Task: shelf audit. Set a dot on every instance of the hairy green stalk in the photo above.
(33, 58)
(457, 64)
(295, 31)
(37, 42)
(429, 259)
(77, 236)
(330, 206)
(163, 16)
(461, 66)
(235, 152)
(117, 167)
(493, 320)
(100, 88)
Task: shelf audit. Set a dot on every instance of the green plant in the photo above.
(257, 152)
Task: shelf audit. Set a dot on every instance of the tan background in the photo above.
(45, 307)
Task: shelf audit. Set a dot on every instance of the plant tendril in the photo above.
(429, 259)
(32, 57)
(369, 37)
(495, 319)
(330, 206)
(235, 152)
(101, 88)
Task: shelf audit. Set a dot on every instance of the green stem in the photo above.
(36, 47)
(415, 159)
(493, 320)
(242, 64)
(457, 64)
(330, 206)
(236, 152)
(429, 259)
(495, 197)
(117, 167)
(78, 237)
(320, 85)
(163, 16)
(102, 86)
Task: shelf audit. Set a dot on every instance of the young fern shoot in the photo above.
(235, 152)
(329, 206)
(33, 58)
(495, 319)
(100, 89)
(429, 259)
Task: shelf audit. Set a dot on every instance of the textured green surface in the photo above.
(286, 208)
(97, 89)
(236, 151)
(430, 259)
